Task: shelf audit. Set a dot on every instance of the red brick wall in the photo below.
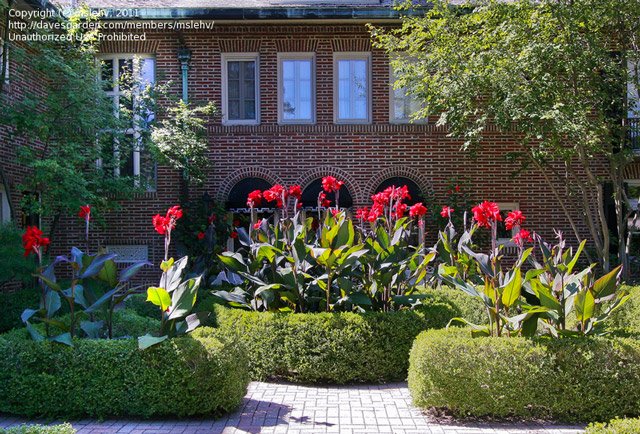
(361, 155)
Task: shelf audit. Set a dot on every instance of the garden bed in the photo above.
(198, 374)
(570, 379)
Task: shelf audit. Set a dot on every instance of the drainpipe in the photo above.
(184, 55)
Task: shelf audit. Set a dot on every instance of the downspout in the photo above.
(184, 56)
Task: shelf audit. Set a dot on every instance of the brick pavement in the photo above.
(272, 408)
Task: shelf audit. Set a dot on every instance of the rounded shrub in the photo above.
(139, 304)
(458, 304)
(572, 379)
(199, 374)
(324, 347)
(616, 426)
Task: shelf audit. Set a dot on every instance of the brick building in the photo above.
(303, 95)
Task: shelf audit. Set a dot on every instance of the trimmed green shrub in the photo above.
(198, 374)
(139, 304)
(572, 379)
(324, 347)
(64, 428)
(616, 426)
(462, 305)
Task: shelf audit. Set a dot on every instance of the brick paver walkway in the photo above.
(292, 409)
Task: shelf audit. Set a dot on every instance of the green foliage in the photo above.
(13, 304)
(453, 303)
(324, 347)
(573, 379)
(548, 296)
(627, 317)
(615, 426)
(340, 266)
(199, 374)
(14, 266)
(64, 428)
(138, 303)
(179, 139)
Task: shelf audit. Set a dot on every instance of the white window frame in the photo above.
(351, 55)
(296, 56)
(241, 57)
(115, 94)
(392, 103)
(509, 206)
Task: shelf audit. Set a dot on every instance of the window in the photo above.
(633, 192)
(399, 181)
(5, 211)
(240, 89)
(237, 198)
(352, 88)
(402, 105)
(296, 88)
(505, 235)
(125, 76)
(6, 71)
(314, 188)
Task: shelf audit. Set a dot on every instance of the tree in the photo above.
(64, 123)
(551, 72)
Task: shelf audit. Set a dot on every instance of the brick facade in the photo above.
(363, 156)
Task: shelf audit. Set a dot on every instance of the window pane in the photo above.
(234, 89)
(249, 110)
(249, 70)
(234, 110)
(233, 70)
(296, 83)
(125, 73)
(353, 92)
(107, 75)
(147, 73)
(147, 170)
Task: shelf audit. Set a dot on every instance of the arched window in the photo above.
(311, 192)
(399, 181)
(237, 198)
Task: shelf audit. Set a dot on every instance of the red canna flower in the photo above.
(401, 208)
(200, 235)
(322, 201)
(295, 191)
(446, 211)
(257, 225)
(457, 188)
(236, 223)
(212, 218)
(417, 210)
(277, 193)
(486, 213)
(85, 212)
(329, 184)
(377, 209)
(514, 218)
(334, 212)
(234, 234)
(299, 205)
(164, 224)
(522, 236)
(32, 240)
(254, 199)
(362, 213)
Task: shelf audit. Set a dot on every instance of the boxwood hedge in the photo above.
(196, 374)
(616, 426)
(581, 379)
(324, 347)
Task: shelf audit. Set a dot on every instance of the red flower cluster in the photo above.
(329, 184)
(417, 210)
(394, 195)
(200, 235)
(295, 191)
(522, 236)
(446, 211)
(362, 213)
(514, 218)
(254, 199)
(32, 240)
(234, 234)
(277, 193)
(85, 212)
(323, 202)
(212, 218)
(486, 213)
(168, 222)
